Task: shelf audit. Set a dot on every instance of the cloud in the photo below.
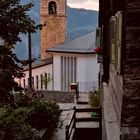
(86, 4)
(76, 1)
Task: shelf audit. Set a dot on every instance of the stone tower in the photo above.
(53, 13)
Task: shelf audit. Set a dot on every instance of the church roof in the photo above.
(82, 45)
(40, 64)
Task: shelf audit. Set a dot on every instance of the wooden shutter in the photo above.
(118, 40)
(112, 38)
(98, 37)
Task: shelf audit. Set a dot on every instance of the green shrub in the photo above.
(94, 98)
(21, 123)
(22, 100)
(42, 114)
(13, 126)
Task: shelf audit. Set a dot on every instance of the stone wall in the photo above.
(124, 89)
(58, 96)
(110, 127)
(54, 32)
(116, 89)
(131, 67)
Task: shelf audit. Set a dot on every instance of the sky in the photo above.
(86, 4)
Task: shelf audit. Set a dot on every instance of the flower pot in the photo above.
(99, 58)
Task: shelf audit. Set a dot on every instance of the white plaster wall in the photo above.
(38, 71)
(92, 69)
(87, 72)
(56, 72)
(81, 69)
(87, 68)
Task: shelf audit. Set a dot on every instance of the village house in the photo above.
(119, 72)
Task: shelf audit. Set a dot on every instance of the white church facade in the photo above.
(71, 62)
(62, 62)
(75, 61)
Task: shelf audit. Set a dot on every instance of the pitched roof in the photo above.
(84, 45)
(40, 64)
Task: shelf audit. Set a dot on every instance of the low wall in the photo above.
(58, 96)
(111, 127)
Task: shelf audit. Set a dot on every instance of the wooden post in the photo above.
(67, 132)
(74, 86)
(74, 117)
(30, 63)
(100, 122)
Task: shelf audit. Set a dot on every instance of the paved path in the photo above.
(59, 132)
(83, 97)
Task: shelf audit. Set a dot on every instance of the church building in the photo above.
(62, 62)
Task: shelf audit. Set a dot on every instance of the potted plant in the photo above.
(99, 52)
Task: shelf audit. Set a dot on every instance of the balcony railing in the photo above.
(86, 87)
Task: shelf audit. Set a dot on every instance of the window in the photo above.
(37, 82)
(46, 77)
(68, 72)
(33, 81)
(24, 84)
(52, 7)
(41, 81)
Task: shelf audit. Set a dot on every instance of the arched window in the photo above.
(52, 7)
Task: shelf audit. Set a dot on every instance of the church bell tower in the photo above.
(53, 13)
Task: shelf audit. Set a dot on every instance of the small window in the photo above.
(37, 82)
(41, 81)
(52, 7)
(46, 82)
(24, 84)
(33, 81)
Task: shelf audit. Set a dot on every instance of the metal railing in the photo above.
(86, 87)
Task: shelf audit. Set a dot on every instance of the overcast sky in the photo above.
(86, 4)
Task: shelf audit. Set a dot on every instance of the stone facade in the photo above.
(54, 32)
(124, 87)
(131, 67)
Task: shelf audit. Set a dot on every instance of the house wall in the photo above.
(131, 66)
(56, 72)
(123, 87)
(38, 71)
(92, 69)
(86, 69)
(87, 72)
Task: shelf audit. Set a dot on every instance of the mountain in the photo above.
(79, 22)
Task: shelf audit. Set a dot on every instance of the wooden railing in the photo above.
(71, 127)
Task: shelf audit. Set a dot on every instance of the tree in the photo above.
(14, 20)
